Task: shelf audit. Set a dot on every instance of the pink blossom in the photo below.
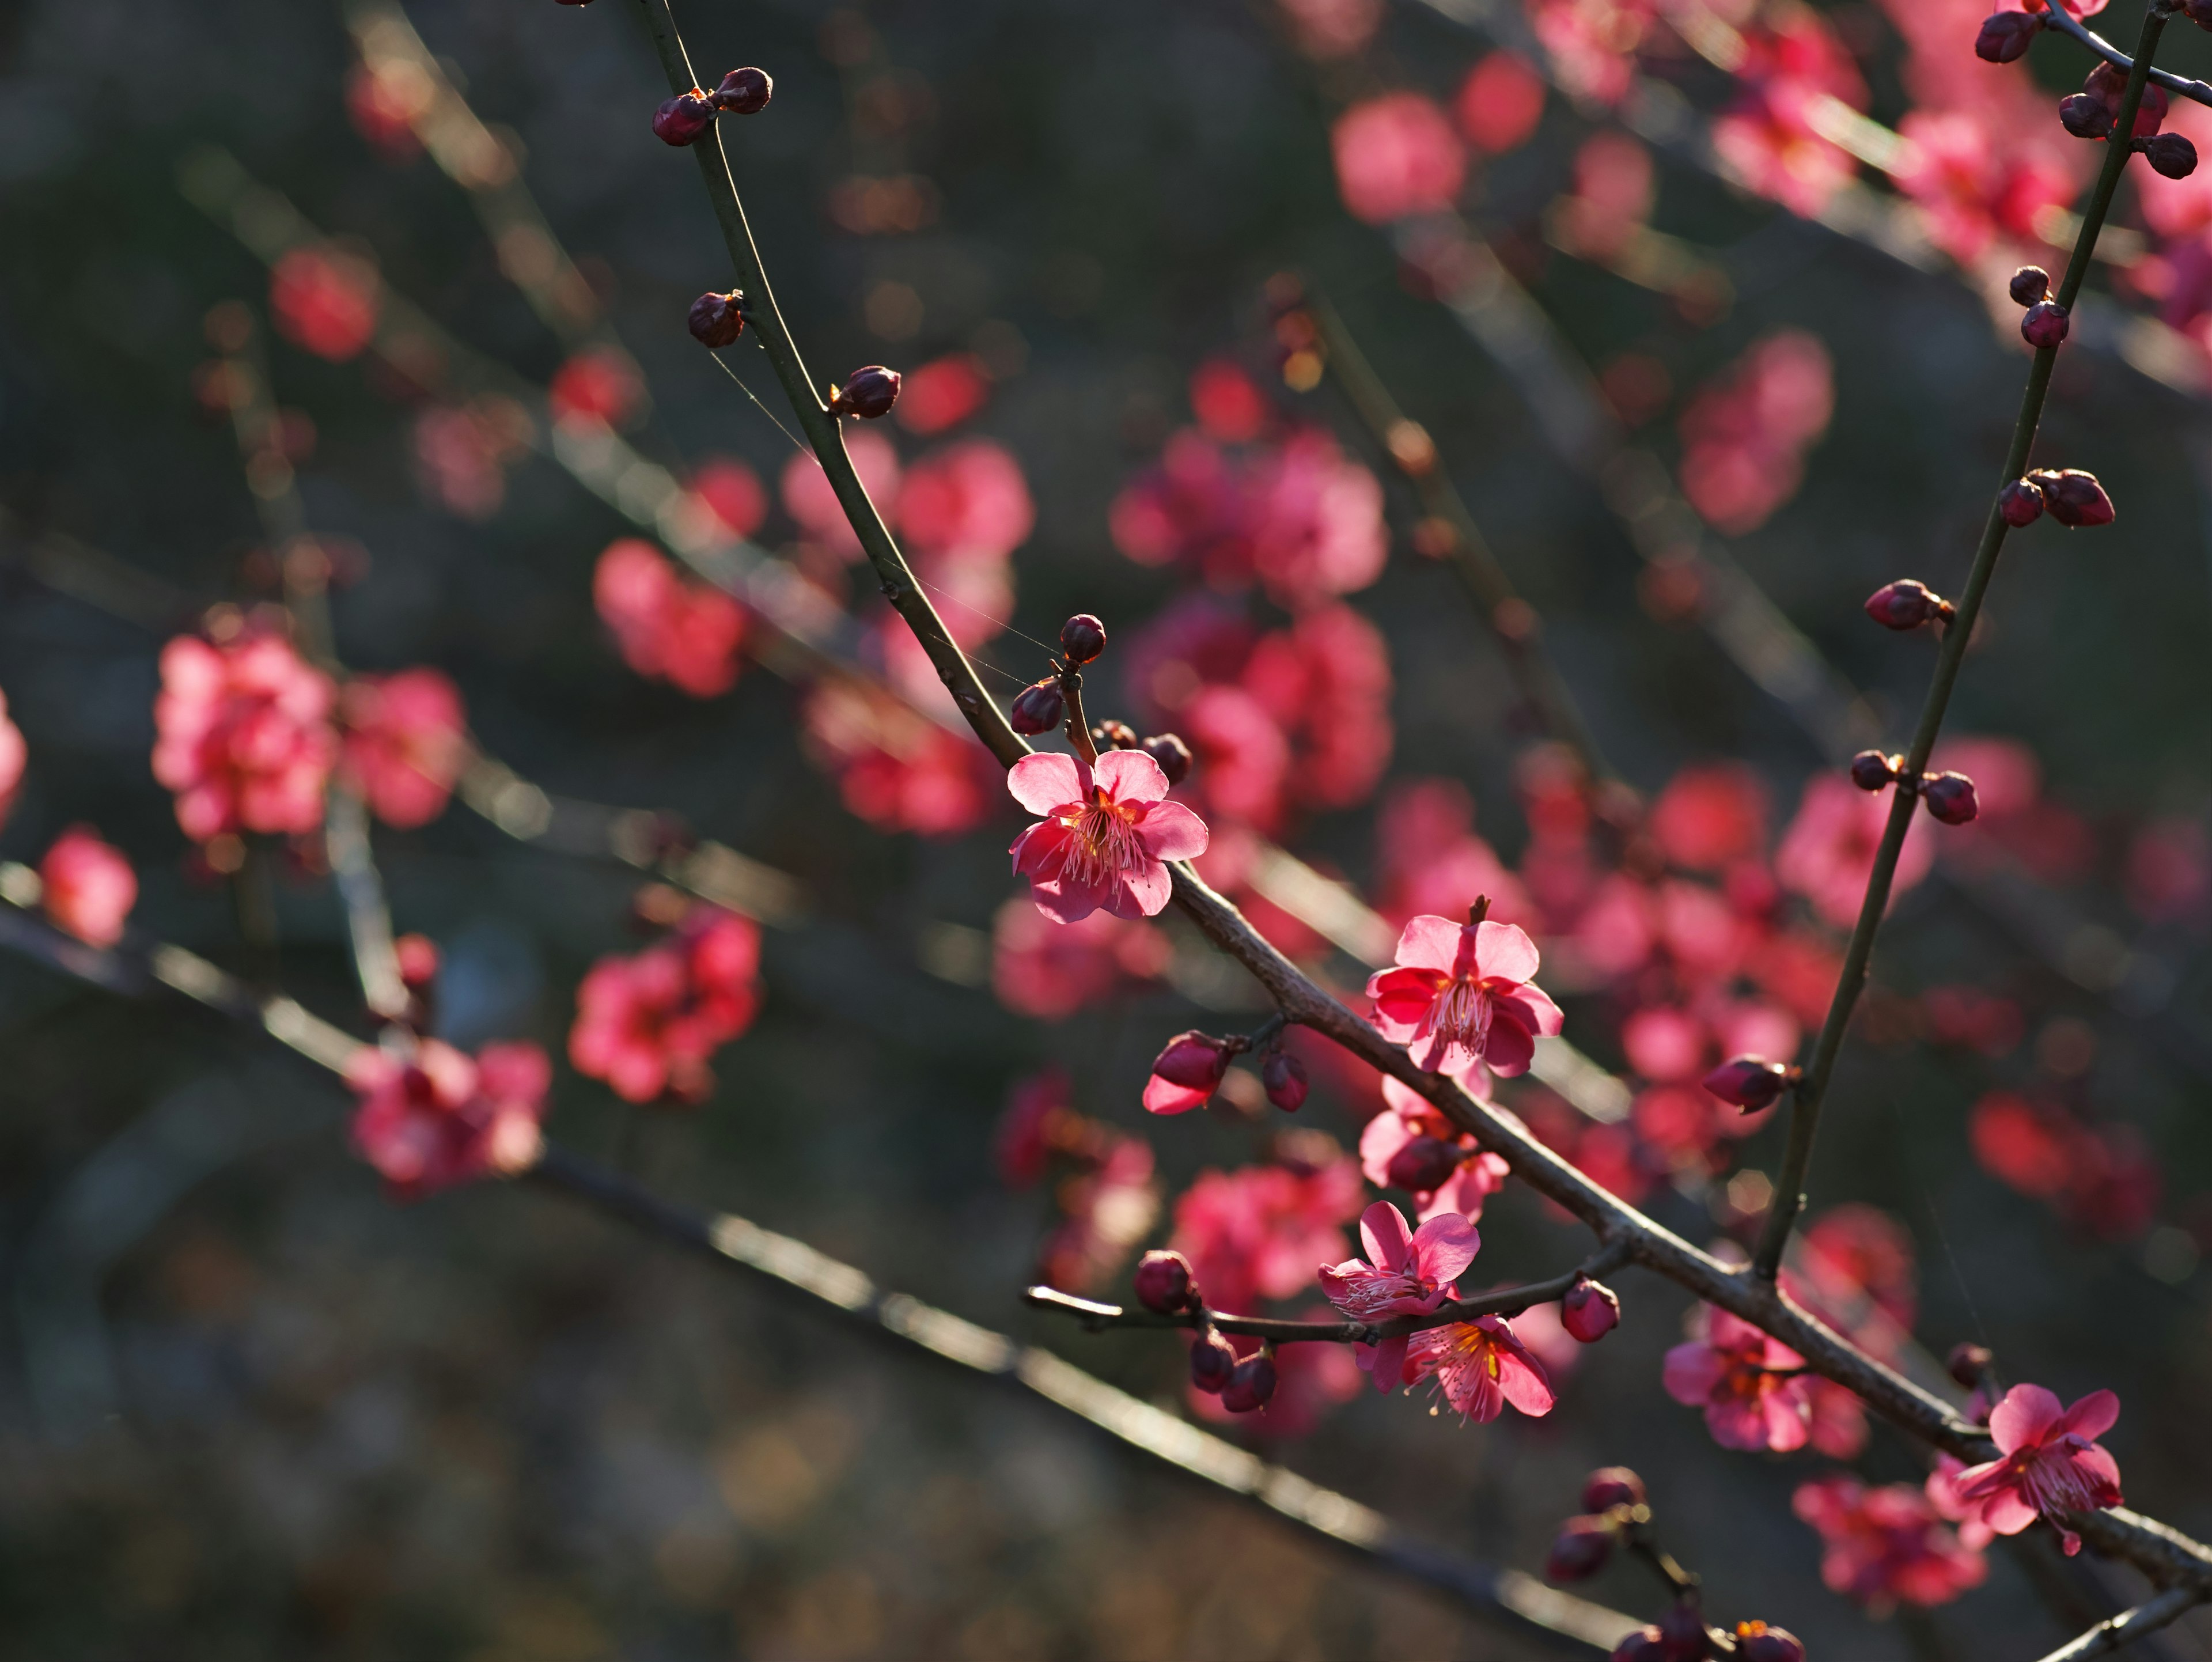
(1858, 1254)
(1406, 1273)
(462, 452)
(1103, 837)
(406, 742)
(1106, 1212)
(243, 736)
(667, 626)
(1745, 434)
(1827, 853)
(968, 499)
(1592, 43)
(440, 1117)
(809, 499)
(1244, 756)
(15, 755)
(648, 1024)
(1473, 1175)
(1749, 1385)
(1614, 187)
(1227, 404)
(599, 384)
(1261, 1231)
(1397, 155)
(1770, 137)
(942, 392)
(2049, 1463)
(325, 300)
(1463, 993)
(1327, 679)
(1039, 1117)
(2100, 1179)
(89, 886)
(1479, 1366)
(1332, 28)
(1885, 1545)
(894, 767)
(732, 492)
(1428, 856)
(1710, 817)
(1500, 103)
(1048, 970)
(1975, 181)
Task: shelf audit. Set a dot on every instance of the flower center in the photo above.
(2052, 1482)
(1105, 843)
(1462, 1015)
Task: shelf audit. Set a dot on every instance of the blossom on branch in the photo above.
(648, 1024)
(406, 741)
(2049, 1465)
(87, 886)
(1412, 1145)
(1479, 1367)
(1105, 834)
(1887, 1545)
(243, 736)
(1463, 993)
(1752, 1387)
(667, 627)
(440, 1117)
(1406, 1273)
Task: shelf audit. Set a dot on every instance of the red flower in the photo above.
(1463, 993)
(599, 384)
(461, 453)
(1406, 1273)
(1592, 43)
(1105, 834)
(731, 492)
(942, 392)
(895, 768)
(1499, 104)
(1887, 1545)
(1397, 155)
(1709, 818)
(1827, 853)
(1745, 436)
(809, 498)
(89, 886)
(1048, 970)
(1262, 1230)
(325, 301)
(1411, 1146)
(243, 736)
(968, 500)
(439, 1118)
(1749, 1385)
(2049, 1463)
(1771, 138)
(667, 627)
(1479, 1367)
(648, 1024)
(406, 742)
(1107, 1212)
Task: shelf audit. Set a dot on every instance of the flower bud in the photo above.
(868, 393)
(1682, 1634)
(2005, 36)
(1591, 1310)
(1114, 735)
(683, 118)
(1905, 604)
(1950, 797)
(417, 955)
(743, 92)
(1644, 1644)
(1757, 1642)
(1423, 1166)
(1171, 753)
(1081, 637)
(2045, 324)
(2198, 12)
(2084, 117)
(1285, 1077)
(717, 320)
(1872, 770)
(1579, 1550)
(1968, 1363)
(2020, 503)
(2073, 497)
(1212, 1363)
(1612, 1485)
(2107, 82)
(2031, 283)
(1164, 1282)
(1039, 708)
(1192, 1059)
(1750, 1083)
(1250, 1385)
(2171, 156)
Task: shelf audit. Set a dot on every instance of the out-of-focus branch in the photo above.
(2124, 1629)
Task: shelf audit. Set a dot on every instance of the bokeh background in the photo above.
(249, 1406)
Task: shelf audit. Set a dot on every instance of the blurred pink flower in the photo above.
(1500, 102)
(1397, 155)
(325, 300)
(894, 767)
(1592, 43)
(599, 384)
(667, 626)
(1745, 434)
(243, 736)
(406, 741)
(1332, 28)
(89, 886)
(1710, 817)
(439, 1118)
(1885, 1545)
(1048, 970)
(1771, 137)
(648, 1024)
(1827, 853)
(15, 755)
(809, 499)
(1264, 1231)
(732, 493)
(968, 499)
(1749, 1385)
(1106, 1212)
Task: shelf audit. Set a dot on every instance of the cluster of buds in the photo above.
(717, 320)
(868, 393)
(1042, 707)
(1187, 1074)
(1167, 749)
(1907, 604)
(1948, 797)
(683, 118)
(2095, 110)
(2046, 322)
(1613, 1504)
(2074, 498)
(1243, 1385)
(1752, 1083)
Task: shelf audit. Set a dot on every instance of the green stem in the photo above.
(1805, 1107)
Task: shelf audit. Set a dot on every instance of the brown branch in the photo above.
(2128, 1626)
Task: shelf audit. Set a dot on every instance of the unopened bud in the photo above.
(1171, 753)
(2084, 117)
(1163, 1283)
(2107, 82)
(2005, 36)
(2031, 283)
(1872, 770)
(868, 393)
(2073, 497)
(1039, 708)
(1750, 1083)
(2171, 156)
(1968, 1363)
(1591, 1310)
(1193, 1059)
(2198, 12)
(1423, 1166)
(2020, 503)
(1212, 1363)
(743, 92)
(1612, 1485)
(1905, 604)
(1081, 637)
(683, 118)
(1950, 797)
(1285, 1077)
(1682, 1634)
(1250, 1385)
(1114, 735)
(1580, 1550)
(717, 321)
(2045, 324)
(1757, 1642)
(1644, 1644)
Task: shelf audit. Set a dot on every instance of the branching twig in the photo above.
(2130, 1625)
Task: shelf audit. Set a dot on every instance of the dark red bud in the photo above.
(2084, 116)
(2005, 36)
(1212, 1363)
(868, 393)
(683, 118)
(1115, 735)
(1250, 1385)
(1192, 1060)
(1284, 1076)
(1644, 1644)
(2031, 283)
(1164, 1282)
(1591, 1310)
(1905, 604)
(2073, 497)
(2172, 155)
(717, 321)
(1750, 1083)
(2198, 12)
(1950, 797)
(2150, 114)
(1423, 1166)
(1612, 1485)
(1081, 637)
(1757, 1642)
(2045, 324)
(418, 960)
(1683, 1637)
(1171, 753)
(743, 92)
(1039, 708)
(2021, 503)
(1872, 770)
(1968, 1363)
(1580, 1550)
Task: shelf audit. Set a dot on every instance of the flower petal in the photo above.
(2025, 1417)
(1526, 1385)
(1430, 942)
(1532, 1007)
(2007, 1512)
(1048, 780)
(1382, 1231)
(1130, 775)
(1144, 893)
(1037, 850)
(1064, 901)
(1165, 1096)
(2091, 1417)
(1444, 1246)
(1504, 950)
(1509, 1050)
(1170, 830)
(1691, 1370)
(1387, 1362)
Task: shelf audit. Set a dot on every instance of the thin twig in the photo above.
(2129, 1626)
(2057, 17)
